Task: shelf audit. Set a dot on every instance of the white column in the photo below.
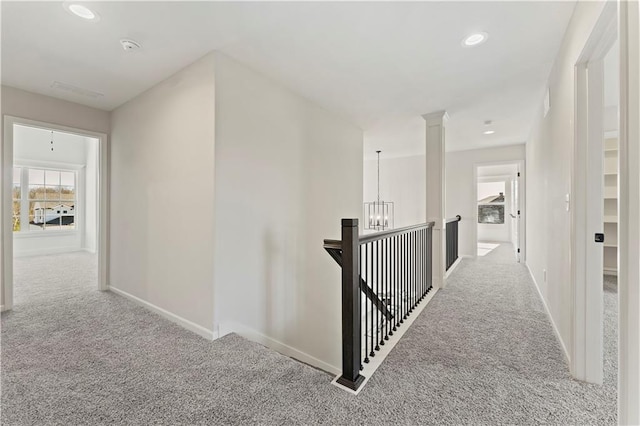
(434, 141)
(629, 211)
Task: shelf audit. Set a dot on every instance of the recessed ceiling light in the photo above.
(489, 132)
(475, 39)
(82, 11)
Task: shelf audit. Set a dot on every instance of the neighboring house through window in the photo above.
(43, 199)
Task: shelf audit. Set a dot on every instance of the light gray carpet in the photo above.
(43, 279)
(482, 352)
(610, 337)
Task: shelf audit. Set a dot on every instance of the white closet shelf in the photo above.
(611, 219)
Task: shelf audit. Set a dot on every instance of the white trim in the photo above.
(522, 204)
(611, 271)
(629, 211)
(611, 134)
(255, 336)
(496, 178)
(553, 323)
(435, 159)
(47, 165)
(44, 252)
(45, 234)
(375, 362)
(191, 326)
(455, 265)
(586, 208)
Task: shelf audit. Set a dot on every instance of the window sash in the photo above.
(52, 189)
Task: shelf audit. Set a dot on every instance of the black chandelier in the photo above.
(378, 215)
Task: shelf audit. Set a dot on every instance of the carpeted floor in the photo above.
(610, 335)
(482, 352)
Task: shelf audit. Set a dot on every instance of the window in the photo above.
(16, 195)
(43, 199)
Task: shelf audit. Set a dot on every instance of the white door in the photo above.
(515, 215)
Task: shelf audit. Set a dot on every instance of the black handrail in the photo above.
(328, 243)
(458, 218)
(393, 269)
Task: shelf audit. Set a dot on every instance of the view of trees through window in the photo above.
(43, 199)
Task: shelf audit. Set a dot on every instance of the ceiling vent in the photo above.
(129, 45)
(76, 90)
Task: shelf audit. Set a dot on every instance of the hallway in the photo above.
(483, 351)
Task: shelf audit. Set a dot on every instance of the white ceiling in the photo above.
(379, 64)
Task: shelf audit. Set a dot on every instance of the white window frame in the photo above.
(25, 165)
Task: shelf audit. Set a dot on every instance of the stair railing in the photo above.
(451, 229)
(393, 270)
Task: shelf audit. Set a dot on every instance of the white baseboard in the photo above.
(44, 252)
(454, 266)
(375, 362)
(553, 323)
(256, 336)
(191, 326)
(611, 271)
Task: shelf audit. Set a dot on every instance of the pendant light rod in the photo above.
(378, 152)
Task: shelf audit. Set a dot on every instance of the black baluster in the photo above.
(418, 270)
(401, 265)
(360, 278)
(370, 330)
(366, 316)
(405, 284)
(387, 297)
(429, 256)
(378, 267)
(386, 288)
(424, 262)
(382, 299)
(421, 264)
(412, 270)
(396, 297)
(392, 282)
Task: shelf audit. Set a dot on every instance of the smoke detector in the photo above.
(129, 45)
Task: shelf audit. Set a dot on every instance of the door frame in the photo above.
(587, 214)
(629, 211)
(521, 204)
(6, 167)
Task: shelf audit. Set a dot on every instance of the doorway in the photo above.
(594, 210)
(54, 241)
(499, 212)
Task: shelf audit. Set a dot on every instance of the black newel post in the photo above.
(351, 333)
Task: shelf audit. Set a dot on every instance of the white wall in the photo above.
(32, 148)
(286, 172)
(496, 232)
(548, 166)
(403, 181)
(162, 156)
(18, 103)
(461, 188)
